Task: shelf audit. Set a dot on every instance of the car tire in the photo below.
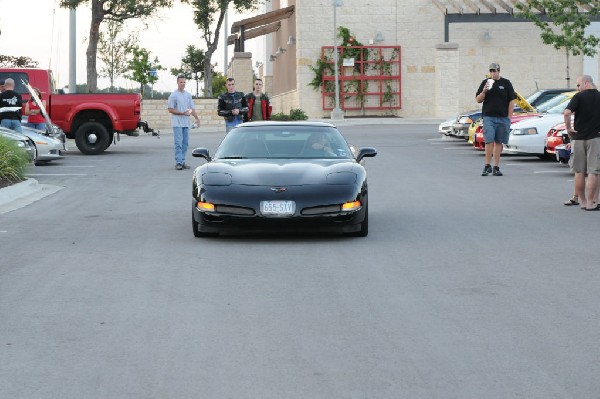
(92, 138)
(197, 228)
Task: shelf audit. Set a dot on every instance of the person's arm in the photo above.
(567, 115)
(480, 95)
(27, 110)
(175, 112)
(221, 108)
(244, 109)
(511, 108)
(195, 115)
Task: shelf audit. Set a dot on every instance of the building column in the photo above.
(241, 70)
(447, 80)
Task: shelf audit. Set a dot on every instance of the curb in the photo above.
(19, 190)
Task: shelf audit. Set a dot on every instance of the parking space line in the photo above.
(57, 174)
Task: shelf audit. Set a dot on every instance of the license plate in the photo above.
(277, 208)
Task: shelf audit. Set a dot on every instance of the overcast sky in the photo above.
(39, 29)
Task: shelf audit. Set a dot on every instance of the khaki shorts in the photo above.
(586, 156)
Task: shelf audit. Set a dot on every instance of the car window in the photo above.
(558, 109)
(18, 77)
(281, 141)
(544, 107)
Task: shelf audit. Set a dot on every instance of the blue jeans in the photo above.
(38, 126)
(181, 137)
(232, 124)
(496, 129)
(13, 124)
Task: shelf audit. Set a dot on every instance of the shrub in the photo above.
(296, 114)
(13, 161)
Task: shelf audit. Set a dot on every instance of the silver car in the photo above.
(50, 146)
(22, 141)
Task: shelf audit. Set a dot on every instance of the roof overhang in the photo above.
(250, 28)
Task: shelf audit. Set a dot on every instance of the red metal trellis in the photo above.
(371, 81)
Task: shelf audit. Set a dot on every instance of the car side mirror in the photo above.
(201, 153)
(365, 152)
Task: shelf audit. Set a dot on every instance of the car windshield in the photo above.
(283, 141)
(554, 101)
(558, 109)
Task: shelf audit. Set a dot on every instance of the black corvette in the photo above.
(281, 176)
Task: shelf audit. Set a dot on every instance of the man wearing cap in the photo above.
(498, 98)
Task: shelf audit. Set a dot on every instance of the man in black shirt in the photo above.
(498, 98)
(585, 141)
(10, 106)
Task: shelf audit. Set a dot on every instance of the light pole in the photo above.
(337, 113)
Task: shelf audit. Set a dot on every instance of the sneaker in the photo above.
(185, 166)
(178, 166)
(497, 171)
(487, 169)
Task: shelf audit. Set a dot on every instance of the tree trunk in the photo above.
(568, 76)
(208, 74)
(92, 50)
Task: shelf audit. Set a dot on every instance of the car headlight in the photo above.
(465, 119)
(216, 179)
(524, 132)
(21, 144)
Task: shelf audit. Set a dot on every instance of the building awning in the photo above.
(250, 28)
(480, 7)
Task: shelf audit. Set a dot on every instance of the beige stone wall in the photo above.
(155, 113)
(284, 102)
(433, 84)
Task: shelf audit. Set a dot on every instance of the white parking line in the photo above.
(57, 174)
(73, 166)
(549, 171)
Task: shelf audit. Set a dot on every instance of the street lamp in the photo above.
(337, 112)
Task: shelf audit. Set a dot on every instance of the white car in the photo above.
(445, 127)
(528, 137)
(49, 146)
(21, 141)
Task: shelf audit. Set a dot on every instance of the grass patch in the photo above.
(13, 162)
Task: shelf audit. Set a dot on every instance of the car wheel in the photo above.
(197, 228)
(364, 226)
(92, 138)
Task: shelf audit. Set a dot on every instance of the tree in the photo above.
(112, 10)
(562, 25)
(205, 12)
(9, 61)
(192, 65)
(218, 84)
(115, 53)
(141, 67)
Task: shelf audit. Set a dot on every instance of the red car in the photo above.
(478, 142)
(555, 137)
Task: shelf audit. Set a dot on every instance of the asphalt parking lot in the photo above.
(466, 287)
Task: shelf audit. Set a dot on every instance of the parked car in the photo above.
(49, 146)
(445, 127)
(478, 142)
(557, 135)
(522, 140)
(21, 140)
(281, 176)
(462, 124)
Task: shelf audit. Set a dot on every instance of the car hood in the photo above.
(543, 120)
(290, 173)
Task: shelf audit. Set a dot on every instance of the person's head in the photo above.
(258, 85)
(494, 70)
(585, 82)
(230, 85)
(9, 84)
(180, 82)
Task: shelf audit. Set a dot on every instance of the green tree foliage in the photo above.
(218, 84)
(562, 25)
(192, 65)
(114, 51)
(208, 16)
(140, 66)
(9, 61)
(111, 10)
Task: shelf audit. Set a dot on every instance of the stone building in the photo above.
(446, 47)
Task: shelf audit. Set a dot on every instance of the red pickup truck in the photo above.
(91, 119)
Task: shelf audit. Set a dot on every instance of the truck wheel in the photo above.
(92, 138)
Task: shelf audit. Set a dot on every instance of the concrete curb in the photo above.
(24, 193)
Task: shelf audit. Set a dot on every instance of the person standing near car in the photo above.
(585, 141)
(10, 106)
(35, 118)
(498, 97)
(259, 106)
(232, 106)
(181, 106)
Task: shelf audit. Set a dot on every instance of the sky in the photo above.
(39, 29)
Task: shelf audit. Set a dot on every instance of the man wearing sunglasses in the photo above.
(498, 98)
